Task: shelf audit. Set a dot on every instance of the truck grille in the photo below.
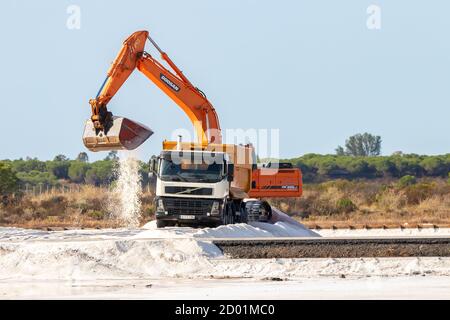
(187, 206)
(189, 190)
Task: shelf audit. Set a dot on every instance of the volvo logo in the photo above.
(167, 81)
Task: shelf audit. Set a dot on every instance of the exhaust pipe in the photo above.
(121, 134)
(179, 141)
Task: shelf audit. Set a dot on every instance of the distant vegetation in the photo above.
(8, 179)
(317, 168)
(17, 174)
(21, 173)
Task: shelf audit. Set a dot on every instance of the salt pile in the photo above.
(181, 259)
(178, 252)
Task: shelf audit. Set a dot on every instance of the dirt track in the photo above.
(335, 248)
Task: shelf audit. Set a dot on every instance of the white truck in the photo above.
(205, 187)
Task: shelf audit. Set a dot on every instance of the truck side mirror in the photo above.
(152, 165)
(230, 172)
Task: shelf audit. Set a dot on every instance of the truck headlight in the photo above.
(160, 205)
(215, 208)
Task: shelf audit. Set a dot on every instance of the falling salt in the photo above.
(125, 204)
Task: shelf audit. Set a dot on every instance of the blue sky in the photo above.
(311, 68)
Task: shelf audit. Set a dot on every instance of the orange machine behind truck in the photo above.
(276, 180)
(187, 192)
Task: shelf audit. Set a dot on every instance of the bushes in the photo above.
(86, 206)
(434, 166)
(418, 192)
(345, 205)
(53, 206)
(325, 199)
(97, 214)
(386, 199)
(406, 181)
(35, 178)
(8, 179)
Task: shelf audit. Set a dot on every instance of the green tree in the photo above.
(357, 167)
(59, 167)
(60, 157)
(434, 166)
(144, 169)
(77, 171)
(28, 165)
(382, 166)
(9, 182)
(326, 166)
(101, 173)
(83, 157)
(408, 164)
(340, 151)
(35, 177)
(112, 156)
(362, 145)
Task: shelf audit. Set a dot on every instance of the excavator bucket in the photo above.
(121, 134)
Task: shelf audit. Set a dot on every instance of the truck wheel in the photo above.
(227, 215)
(243, 214)
(232, 211)
(267, 210)
(161, 223)
(223, 216)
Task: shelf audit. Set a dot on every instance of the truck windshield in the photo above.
(190, 172)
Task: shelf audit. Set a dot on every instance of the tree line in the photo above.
(15, 174)
(316, 167)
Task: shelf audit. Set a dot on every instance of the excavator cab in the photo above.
(119, 134)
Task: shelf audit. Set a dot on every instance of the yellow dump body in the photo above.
(242, 156)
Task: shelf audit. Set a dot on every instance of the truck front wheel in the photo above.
(228, 214)
(161, 223)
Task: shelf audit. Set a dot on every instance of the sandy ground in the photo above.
(182, 263)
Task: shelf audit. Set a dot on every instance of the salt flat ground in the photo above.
(404, 287)
(182, 263)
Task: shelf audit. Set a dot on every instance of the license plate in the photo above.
(187, 217)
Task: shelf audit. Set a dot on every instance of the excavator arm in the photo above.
(191, 100)
(118, 73)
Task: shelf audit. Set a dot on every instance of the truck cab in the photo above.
(192, 188)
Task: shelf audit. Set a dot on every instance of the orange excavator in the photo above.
(191, 99)
(194, 185)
